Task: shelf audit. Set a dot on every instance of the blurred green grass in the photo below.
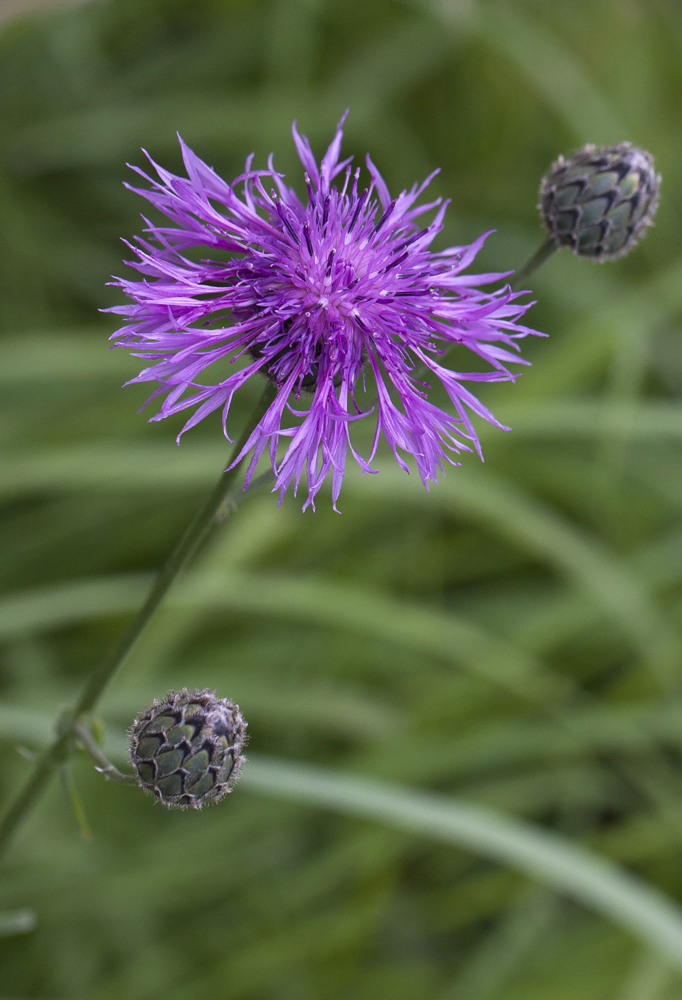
(512, 638)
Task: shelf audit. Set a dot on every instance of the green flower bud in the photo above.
(186, 749)
(600, 201)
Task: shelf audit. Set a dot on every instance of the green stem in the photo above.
(214, 511)
(102, 762)
(545, 251)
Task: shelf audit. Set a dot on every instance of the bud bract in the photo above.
(599, 201)
(186, 749)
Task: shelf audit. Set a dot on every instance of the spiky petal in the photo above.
(319, 297)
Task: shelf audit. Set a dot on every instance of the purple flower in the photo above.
(318, 297)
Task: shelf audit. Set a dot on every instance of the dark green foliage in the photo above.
(512, 637)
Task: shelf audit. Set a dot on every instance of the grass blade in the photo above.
(444, 635)
(546, 857)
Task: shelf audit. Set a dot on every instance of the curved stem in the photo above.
(545, 251)
(549, 857)
(213, 512)
(102, 762)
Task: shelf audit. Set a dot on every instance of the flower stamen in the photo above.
(312, 319)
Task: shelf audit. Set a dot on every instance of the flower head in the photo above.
(318, 297)
(599, 202)
(186, 749)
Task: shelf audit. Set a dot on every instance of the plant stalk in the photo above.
(102, 762)
(213, 512)
(545, 251)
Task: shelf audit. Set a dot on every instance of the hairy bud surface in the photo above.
(186, 749)
(600, 201)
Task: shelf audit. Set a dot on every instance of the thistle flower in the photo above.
(600, 201)
(186, 749)
(317, 297)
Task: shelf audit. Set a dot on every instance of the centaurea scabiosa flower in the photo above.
(318, 297)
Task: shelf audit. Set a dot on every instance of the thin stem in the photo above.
(545, 251)
(103, 764)
(213, 512)
(76, 801)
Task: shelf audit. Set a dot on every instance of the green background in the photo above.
(512, 638)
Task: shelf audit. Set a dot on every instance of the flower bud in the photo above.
(600, 201)
(186, 749)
